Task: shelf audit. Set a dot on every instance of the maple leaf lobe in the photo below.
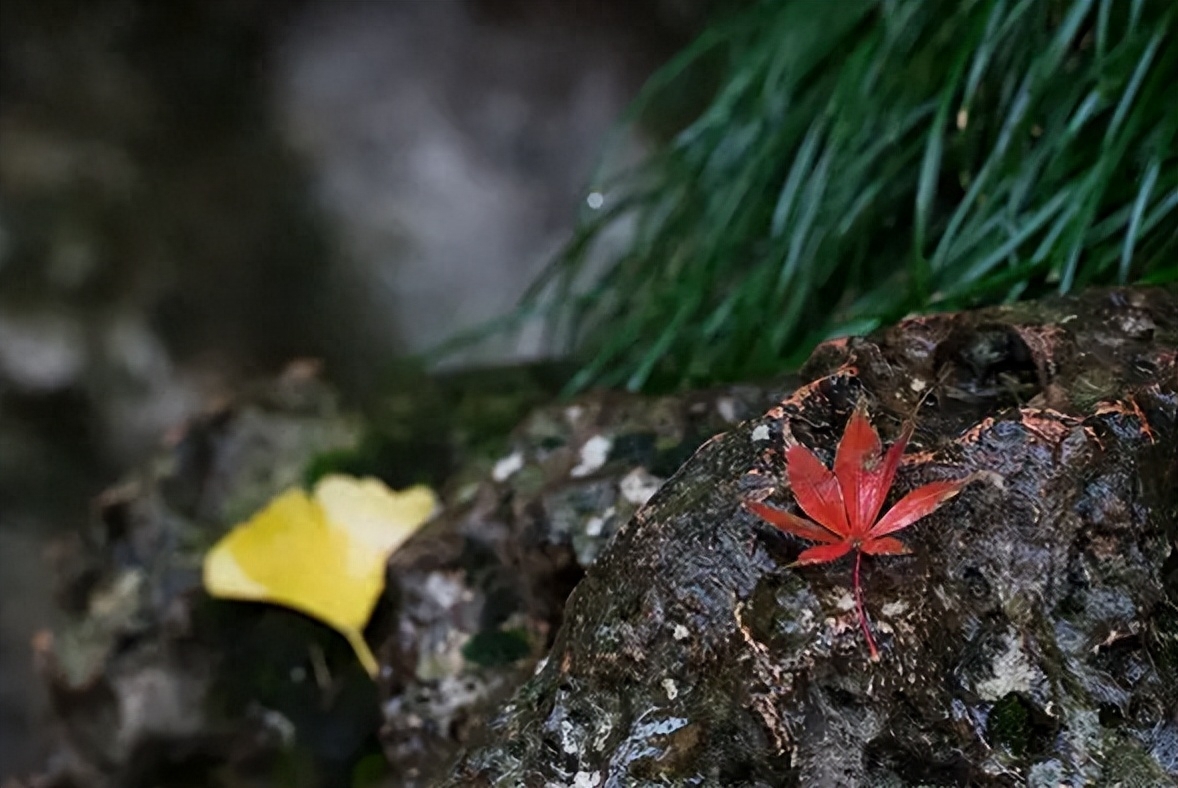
(846, 499)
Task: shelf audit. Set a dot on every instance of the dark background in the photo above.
(194, 193)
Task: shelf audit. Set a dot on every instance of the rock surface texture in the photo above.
(1031, 637)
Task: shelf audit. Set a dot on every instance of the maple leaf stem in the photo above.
(863, 612)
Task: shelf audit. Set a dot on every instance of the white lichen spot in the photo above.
(442, 659)
(586, 779)
(726, 407)
(280, 724)
(893, 609)
(540, 666)
(1047, 773)
(845, 601)
(992, 477)
(594, 526)
(1013, 672)
(947, 601)
(603, 731)
(445, 590)
(664, 727)
(761, 433)
(638, 486)
(120, 600)
(594, 453)
(566, 738)
(1084, 732)
(508, 466)
(680, 632)
(670, 688)
(155, 702)
(918, 385)
(573, 414)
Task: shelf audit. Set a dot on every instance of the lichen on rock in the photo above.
(1029, 639)
(584, 615)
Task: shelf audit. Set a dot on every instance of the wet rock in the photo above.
(1029, 639)
(151, 679)
(594, 608)
(150, 682)
(479, 594)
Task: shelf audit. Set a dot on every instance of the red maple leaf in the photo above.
(844, 504)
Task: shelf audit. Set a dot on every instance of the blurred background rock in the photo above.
(193, 193)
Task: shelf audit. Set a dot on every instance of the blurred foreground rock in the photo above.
(1032, 638)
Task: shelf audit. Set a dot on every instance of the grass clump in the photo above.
(863, 159)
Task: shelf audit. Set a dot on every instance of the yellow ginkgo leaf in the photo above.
(323, 555)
